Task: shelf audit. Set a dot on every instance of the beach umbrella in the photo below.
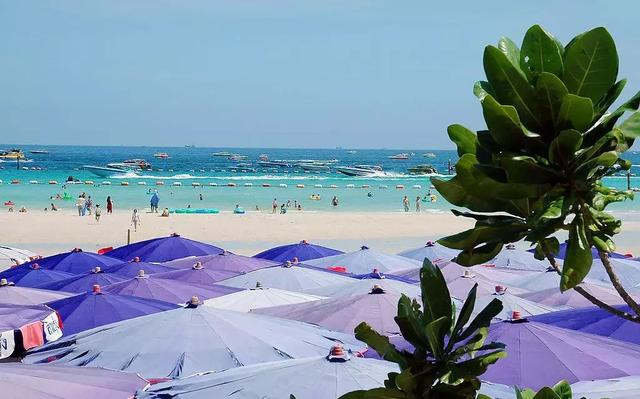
(164, 249)
(84, 282)
(12, 294)
(343, 313)
(302, 251)
(615, 388)
(218, 267)
(460, 286)
(131, 268)
(396, 340)
(326, 377)
(562, 253)
(433, 251)
(517, 259)
(376, 275)
(512, 303)
(628, 271)
(153, 287)
(27, 381)
(190, 340)
(596, 321)
(32, 275)
(257, 298)
(573, 299)
(541, 355)
(289, 277)
(95, 308)
(75, 261)
(452, 271)
(358, 287)
(364, 260)
(26, 326)
(10, 257)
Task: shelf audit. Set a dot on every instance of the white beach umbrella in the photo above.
(10, 256)
(257, 298)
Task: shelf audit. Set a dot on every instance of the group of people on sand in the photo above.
(284, 207)
(428, 197)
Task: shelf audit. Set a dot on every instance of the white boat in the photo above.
(351, 152)
(106, 171)
(314, 167)
(429, 155)
(401, 156)
(359, 170)
(43, 152)
(161, 155)
(222, 154)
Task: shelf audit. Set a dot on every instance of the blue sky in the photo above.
(260, 73)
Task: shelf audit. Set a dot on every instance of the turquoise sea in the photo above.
(212, 175)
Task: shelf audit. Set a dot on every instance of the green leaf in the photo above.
(591, 64)
(435, 332)
(376, 393)
(476, 366)
(575, 112)
(504, 125)
(510, 50)
(481, 89)
(577, 261)
(436, 300)
(478, 255)
(527, 171)
(546, 393)
(511, 87)
(482, 319)
(607, 122)
(563, 148)
(563, 390)
(379, 343)
(540, 53)
(455, 193)
(464, 139)
(631, 126)
(524, 393)
(550, 92)
(609, 98)
(465, 315)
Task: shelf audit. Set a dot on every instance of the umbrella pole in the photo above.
(128, 236)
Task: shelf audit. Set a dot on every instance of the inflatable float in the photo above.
(208, 211)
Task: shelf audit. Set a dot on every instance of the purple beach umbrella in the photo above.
(221, 266)
(359, 287)
(26, 381)
(84, 282)
(594, 253)
(452, 271)
(130, 269)
(93, 309)
(511, 303)
(191, 340)
(376, 275)
(596, 321)
(365, 260)
(26, 327)
(573, 299)
(433, 251)
(32, 275)
(517, 259)
(258, 298)
(14, 295)
(541, 355)
(154, 287)
(301, 251)
(75, 261)
(164, 249)
(460, 286)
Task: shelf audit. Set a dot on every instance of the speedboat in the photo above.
(359, 170)
(221, 154)
(351, 152)
(402, 156)
(422, 170)
(13, 153)
(237, 157)
(263, 157)
(278, 163)
(315, 167)
(162, 155)
(139, 163)
(429, 155)
(107, 171)
(44, 152)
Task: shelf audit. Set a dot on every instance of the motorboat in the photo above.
(422, 170)
(281, 164)
(161, 155)
(263, 157)
(43, 152)
(13, 153)
(351, 152)
(222, 154)
(359, 170)
(429, 155)
(402, 156)
(109, 170)
(315, 167)
(237, 157)
(138, 163)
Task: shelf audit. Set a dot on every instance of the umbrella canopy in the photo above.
(594, 252)
(596, 321)
(189, 340)
(317, 377)
(291, 278)
(517, 259)
(376, 275)
(257, 298)
(541, 355)
(628, 271)
(344, 313)
(32, 275)
(460, 286)
(452, 271)
(301, 251)
(84, 282)
(153, 287)
(364, 260)
(75, 261)
(618, 388)
(26, 326)
(26, 381)
(358, 287)
(571, 298)
(131, 269)
(10, 257)
(93, 309)
(164, 249)
(512, 303)
(12, 294)
(226, 263)
(433, 251)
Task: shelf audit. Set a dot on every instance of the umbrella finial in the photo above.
(198, 266)
(468, 274)
(364, 247)
(75, 250)
(510, 246)
(377, 289)
(194, 302)
(136, 259)
(337, 354)
(430, 244)
(141, 274)
(287, 264)
(174, 235)
(97, 289)
(295, 260)
(4, 282)
(500, 290)
(258, 285)
(35, 266)
(224, 252)
(96, 269)
(304, 242)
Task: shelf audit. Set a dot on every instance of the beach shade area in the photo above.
(573, 299)
(596, 321)
(628, 272)
(541, 355)
(512, 303)
(27, 381)
(289, 277)
(314, 377)
(75, 261)
(302, 251)
(11, 257)
(344, 313)
(191, 340)
(517, 259)
(376, 275)
(452, 271)
(130, 269)
(616, 388)
(433, 251)
(258, 298)
(163, 249)
(154, 287)
(365, 260)
(24, 327)
(221, 266)
(460, 286)
(358, 287)
(84, 282)
(562, 253)
(95, 308)
(32, 275)
(14, 295)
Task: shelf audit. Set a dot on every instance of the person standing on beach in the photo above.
(89, 204)
(405, 203)
(98, 213)
(109, 205)
(80, 203)
(135, 220)
(334, 201)
(274, 205)
(418, 200)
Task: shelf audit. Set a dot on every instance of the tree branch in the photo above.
(604, 257)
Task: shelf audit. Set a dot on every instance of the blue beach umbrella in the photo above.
(32, 275)
(84, 282)
(359, 287)
(95, 308)
(164, 249)
(517, 259)
(12, 294)
(75, 261)
(221, 266)
(325, 377)
(131, 268)
(376, 275)
(191, 340)
(365, 260)
(433, 251)
(303, 251)
(594, 253)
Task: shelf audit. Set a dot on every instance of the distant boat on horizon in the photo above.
(39, 152)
